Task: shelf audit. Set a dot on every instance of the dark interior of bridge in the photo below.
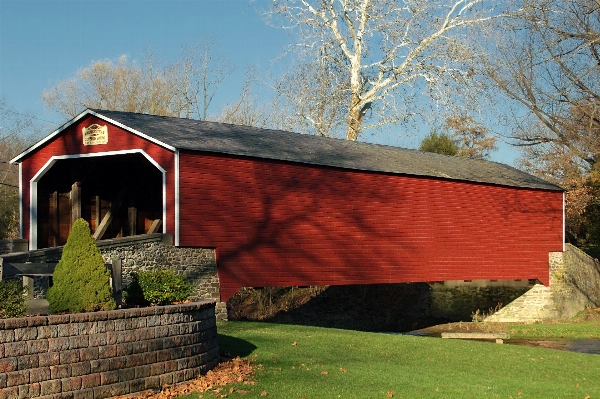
(119, 195)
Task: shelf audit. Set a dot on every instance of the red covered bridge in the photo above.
(285, 209)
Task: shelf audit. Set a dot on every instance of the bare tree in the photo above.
(185, 88)
(16, 130)
(313, 94)
(390, 52)
(247, 110)
(203, 73)
(122, 87)
(550, 67)
(472, 139)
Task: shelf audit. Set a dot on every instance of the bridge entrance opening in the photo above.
(118, 195)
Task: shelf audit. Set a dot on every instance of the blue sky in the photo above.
(45, 41)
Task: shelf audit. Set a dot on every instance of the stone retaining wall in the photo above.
(199, 265)
(145, 252)
(574, 280)
(106, 354)
(467, 301)
(535, 305)
(574, 286)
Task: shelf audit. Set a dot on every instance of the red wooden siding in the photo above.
(284, 224)
(69, 142)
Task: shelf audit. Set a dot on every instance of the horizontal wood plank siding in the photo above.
(285, 224)
(70, 142)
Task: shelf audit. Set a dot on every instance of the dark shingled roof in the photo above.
(189, 134)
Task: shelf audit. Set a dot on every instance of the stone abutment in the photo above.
(142, 253)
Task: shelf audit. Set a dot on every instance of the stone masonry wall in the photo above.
(145, 252)
(468, 302)
(574, 280)
(197, 264)
(535, 305)
(574, 286)
(105, 354)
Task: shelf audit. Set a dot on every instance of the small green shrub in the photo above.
(12, 299)
(133, 294)
(158, 287)
(81, 280)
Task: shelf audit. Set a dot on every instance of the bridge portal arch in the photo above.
(119, 194)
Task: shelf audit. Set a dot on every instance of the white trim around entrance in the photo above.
(33, 194)
(176, 240)
(21, 200)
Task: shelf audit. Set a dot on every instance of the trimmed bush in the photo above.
(81, 280)
(158, 287)
(12, 299)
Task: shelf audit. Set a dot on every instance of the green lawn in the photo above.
(589, 329)
(310, 362)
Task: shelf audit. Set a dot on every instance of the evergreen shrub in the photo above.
(158, 287)
(12, 299)
(81, 280)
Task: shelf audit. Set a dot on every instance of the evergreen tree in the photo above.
(81, 280)
(439, 143)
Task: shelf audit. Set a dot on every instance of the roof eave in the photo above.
(543, 185)
(46, 139)
(134, 131)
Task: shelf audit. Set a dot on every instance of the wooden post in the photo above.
(28, 282)
(117, 281)
(131, 216)
(132, 220)
(54, 233)
(103, 226)
(75, 202)
(98, 211)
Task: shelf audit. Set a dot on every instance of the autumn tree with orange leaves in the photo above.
(549, 67)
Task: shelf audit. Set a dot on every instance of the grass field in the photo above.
(558, 330)
(311, 362)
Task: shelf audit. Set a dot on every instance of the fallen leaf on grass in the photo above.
(389, 395)
(294, 343)
(263, 393)
(342, 370)
(324, 372)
